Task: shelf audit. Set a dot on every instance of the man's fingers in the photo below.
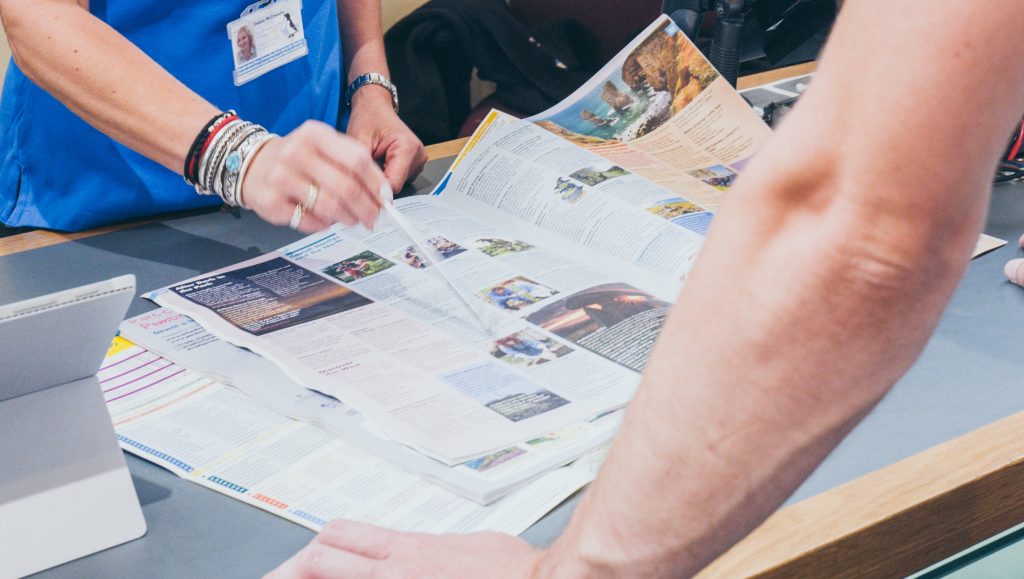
(1014, 271)
(362, 539)
(319, 561)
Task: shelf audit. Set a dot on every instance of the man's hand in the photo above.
(375, 124)
(349, 549)
(1014, 269)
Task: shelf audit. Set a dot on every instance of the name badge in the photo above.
(268, 35)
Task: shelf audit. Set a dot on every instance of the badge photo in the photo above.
(267, 36)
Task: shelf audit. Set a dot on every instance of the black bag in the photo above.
(432, 53)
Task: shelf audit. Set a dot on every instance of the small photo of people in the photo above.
(358, 266)
(719, 176)
(528, 348)
(592, 310)
(246, 44)
(593, 176)
(411, 257)
(495, 246)
(445, 247)
(674, 208)
(517, 293)
(570, 191)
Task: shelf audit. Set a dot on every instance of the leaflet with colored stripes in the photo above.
(221, 438)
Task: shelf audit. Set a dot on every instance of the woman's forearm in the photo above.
(363, 46)
(105, 79)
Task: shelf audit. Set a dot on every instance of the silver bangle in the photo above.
(205, 163)
(226, 160)
(212, 178)
(227, 171)
(261, 140)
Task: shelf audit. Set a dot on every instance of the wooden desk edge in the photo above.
(897, 520)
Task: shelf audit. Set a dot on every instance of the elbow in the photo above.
(22, 20)
(15, 15)
(896, 248)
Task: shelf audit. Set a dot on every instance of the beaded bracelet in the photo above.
(211, 151)
(217, 157)
(202, 141)
(220, 155)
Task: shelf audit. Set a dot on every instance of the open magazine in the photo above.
(345, 313)
(572, 230)
(658, 110)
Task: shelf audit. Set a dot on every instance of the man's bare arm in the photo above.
(822, 279)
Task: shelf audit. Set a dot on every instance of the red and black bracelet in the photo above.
(201, 142)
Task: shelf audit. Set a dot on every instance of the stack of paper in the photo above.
(218, 437)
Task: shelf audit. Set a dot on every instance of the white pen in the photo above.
(388, 198)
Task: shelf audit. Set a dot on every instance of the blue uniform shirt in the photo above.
(58, 172)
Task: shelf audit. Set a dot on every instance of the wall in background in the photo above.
(394, 10)
(5, 55)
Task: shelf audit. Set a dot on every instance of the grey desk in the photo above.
(971, 374)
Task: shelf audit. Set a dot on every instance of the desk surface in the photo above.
(969, 376)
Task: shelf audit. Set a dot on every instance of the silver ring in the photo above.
(297, 215)
(311, 197)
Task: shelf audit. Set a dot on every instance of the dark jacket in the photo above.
(432, 52)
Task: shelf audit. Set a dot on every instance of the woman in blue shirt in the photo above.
(104, 105)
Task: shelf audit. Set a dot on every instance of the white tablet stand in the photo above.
(65, 490)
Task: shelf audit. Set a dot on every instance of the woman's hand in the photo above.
(375, 124)
(280, 176)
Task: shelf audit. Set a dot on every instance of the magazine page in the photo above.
(357, 316)
(218, 437)
(540, 179)
(183, 341)
(661, 110)
(631, 164)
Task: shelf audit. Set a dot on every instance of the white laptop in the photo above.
(65, 491)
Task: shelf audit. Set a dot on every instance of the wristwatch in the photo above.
(371, 78)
